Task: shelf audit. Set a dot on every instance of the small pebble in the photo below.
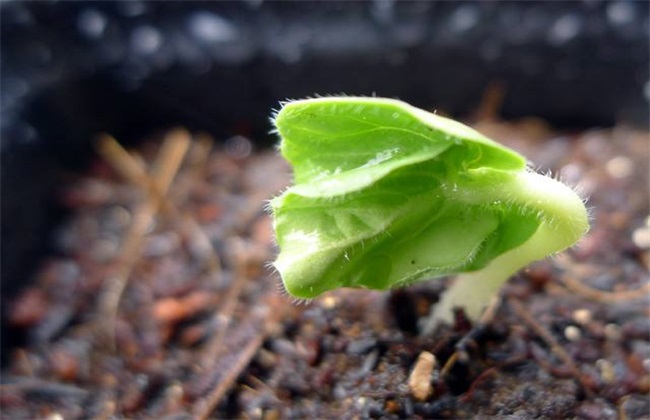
(161, 244)
(105, 249)
(619, 167)
(361, 346)
(420, 378)
(117, 217)
(369, 363)
(173, 396)
(613, 332)
(283, 347)
(329, 302)
(64, 364)
(582, 316)
(572, 333)
(596, 410)
(392, 406)
(606, 369)
(641, 236)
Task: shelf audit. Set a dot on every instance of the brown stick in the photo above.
(134, 171)
(545, 335)
(196, 161)
(491, 101)
(213, 347)
(244, 342)
(446, 368)
(603, 296)
(165, 168)
(204, 407)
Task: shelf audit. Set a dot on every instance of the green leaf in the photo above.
(387, 194)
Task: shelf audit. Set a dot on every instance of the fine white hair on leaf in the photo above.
(334, 95)
(536, 168)
(590, 212)
(576, 188)
(267, 206)
(301, 301)
(270, 266)
(282, 290)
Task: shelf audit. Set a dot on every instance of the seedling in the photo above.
(387, 195)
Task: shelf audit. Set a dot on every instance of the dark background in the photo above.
(70, 70)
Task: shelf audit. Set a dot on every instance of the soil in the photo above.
(167, 307)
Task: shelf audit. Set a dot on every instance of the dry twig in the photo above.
(252, 334)
(206, 406)
(134, 171)
(165, 168)
(602, 296)
(213, 347)
(550, 341)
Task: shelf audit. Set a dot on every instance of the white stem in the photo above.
(564, 221)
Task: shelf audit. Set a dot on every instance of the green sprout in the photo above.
(387, 195)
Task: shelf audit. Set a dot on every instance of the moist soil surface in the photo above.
(162, 304)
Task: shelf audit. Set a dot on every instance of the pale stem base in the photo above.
(564, 221)
(472, 292)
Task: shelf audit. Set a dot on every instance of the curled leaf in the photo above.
(387, 194)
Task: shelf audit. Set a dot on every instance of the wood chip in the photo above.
(420, 378)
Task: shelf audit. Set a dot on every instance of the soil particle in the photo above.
(421, 376)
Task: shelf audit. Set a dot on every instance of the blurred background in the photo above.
(71, 70)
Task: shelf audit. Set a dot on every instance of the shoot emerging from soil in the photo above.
(387, 195)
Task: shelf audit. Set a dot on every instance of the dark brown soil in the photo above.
(204, 334)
